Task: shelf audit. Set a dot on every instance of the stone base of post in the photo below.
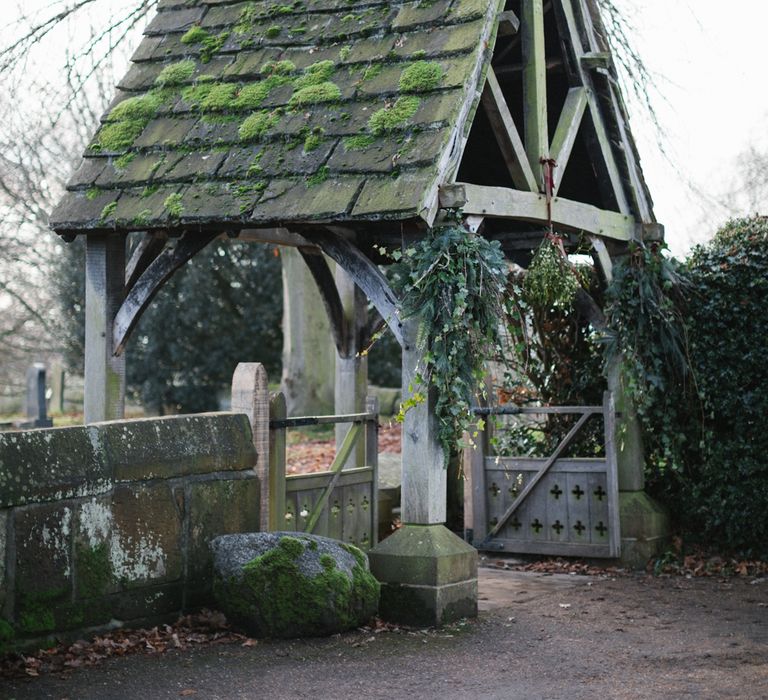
(428, 576)
(645, 528)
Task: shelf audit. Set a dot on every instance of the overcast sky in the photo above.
(709, 61)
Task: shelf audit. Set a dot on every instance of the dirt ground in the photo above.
(537, 636)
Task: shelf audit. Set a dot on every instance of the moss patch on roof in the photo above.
(281, 110)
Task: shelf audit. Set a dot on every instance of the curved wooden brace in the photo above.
(366, 275)
(148, 248)
(326, 284)
(149, 283)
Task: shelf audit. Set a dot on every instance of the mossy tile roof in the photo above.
(262, 113)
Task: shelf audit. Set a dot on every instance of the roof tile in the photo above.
(183, 160)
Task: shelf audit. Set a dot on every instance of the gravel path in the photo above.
(537, 636)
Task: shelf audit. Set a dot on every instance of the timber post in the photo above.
(250, 395)
(351, 374)
(104, 293)
(428, 574)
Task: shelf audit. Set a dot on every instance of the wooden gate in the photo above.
(554, 505)
(341, 502)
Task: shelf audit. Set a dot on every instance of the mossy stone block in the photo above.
(138, 170)
(165, 131)
(175, 20)
(443, 40)
(415, 14)
(88, 172)
(464, 10)
(147, 538)
(196, 166)
(292, 585)
(78, 210)
(428, 576)
(163, 448)
(305, 201)
(247, 64)
(423, 555)
(140, 76)
(218, 508)
(373, 49)
(43, 566)
(50, 464)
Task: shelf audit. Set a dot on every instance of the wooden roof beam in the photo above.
(151, 280)
(504, 203)
(534, 82)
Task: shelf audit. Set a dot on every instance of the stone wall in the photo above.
(109, 523)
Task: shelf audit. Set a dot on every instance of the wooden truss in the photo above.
(527, 153)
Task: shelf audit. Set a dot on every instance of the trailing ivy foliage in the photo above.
(645, 324)
(455, 283)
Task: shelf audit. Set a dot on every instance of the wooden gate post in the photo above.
(250, 395)
(104, 292)
(275, 485)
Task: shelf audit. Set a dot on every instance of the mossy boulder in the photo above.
(277, 584)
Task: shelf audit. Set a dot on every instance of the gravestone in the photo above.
(35, 405)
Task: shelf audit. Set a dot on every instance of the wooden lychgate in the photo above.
(554, 505)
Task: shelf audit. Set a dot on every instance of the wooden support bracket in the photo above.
(365, 274)
(151, 280)
(509, 23)
(567, 130)
(148, 248)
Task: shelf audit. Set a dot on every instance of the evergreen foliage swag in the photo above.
(455, 282)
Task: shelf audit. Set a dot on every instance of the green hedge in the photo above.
(724, 486)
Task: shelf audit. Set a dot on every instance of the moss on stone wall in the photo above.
(94, 570)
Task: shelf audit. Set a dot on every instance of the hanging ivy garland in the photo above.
(455, 281)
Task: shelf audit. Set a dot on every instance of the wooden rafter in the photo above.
(534, 82)
(567, 130)
(501, 202)
(601, 149)
(507, 135)
(152, 279)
